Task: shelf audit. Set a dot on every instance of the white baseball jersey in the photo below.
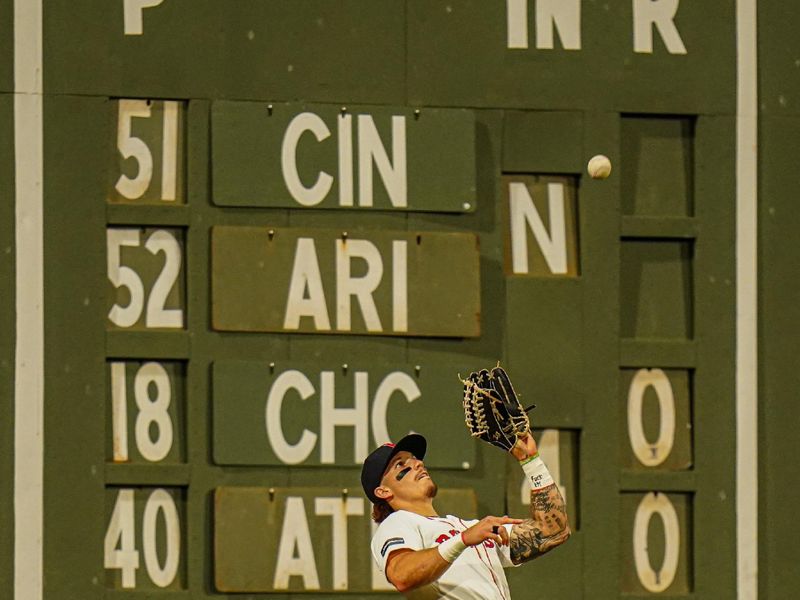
(477, 574)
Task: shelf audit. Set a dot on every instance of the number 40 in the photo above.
(120, 548)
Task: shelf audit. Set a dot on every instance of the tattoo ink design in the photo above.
(547, 528)
(403, 473)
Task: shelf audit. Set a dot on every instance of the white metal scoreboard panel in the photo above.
(276, 231)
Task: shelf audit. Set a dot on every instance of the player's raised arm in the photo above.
(494, 414)
(548, 525)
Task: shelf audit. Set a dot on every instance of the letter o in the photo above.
(651, 454)
(652, 580)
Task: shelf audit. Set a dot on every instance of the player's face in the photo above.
(407, 478)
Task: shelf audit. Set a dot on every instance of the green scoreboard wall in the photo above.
(7, 338)
(277, 231)
(7, 298)
(779, 310)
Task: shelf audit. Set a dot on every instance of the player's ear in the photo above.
(383, 493)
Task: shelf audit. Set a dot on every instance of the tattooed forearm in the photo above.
(547, 528)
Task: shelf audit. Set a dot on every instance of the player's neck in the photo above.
(424, 508)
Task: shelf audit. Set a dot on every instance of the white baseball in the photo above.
(599, 167)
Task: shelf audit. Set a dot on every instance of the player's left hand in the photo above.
(525, 446)
(489, 528)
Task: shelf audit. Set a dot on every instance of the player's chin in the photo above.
(431, 489)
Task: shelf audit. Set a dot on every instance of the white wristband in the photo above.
(451, 549)
(537, 473)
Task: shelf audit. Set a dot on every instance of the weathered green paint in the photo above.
(7, 46)
(74, 387)
(658, 158)
(778, 306)
(778, 95)
(714, 379)
(249, 149)
(250, 524)
(543, 142)
(202, 49)
(458, 56)
(254, 269)
(657, 300)
(242, 392)
(779, 344)
(7, 341)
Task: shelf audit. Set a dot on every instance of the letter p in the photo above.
(133, 14)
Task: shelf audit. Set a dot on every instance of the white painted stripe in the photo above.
(29, 374)
(746, 302)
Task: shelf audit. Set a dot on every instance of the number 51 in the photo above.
(131, 146)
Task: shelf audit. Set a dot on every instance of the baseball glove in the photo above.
(492, 409)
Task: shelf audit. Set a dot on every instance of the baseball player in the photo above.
(426, 555)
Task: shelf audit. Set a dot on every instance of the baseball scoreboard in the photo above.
(276, 232)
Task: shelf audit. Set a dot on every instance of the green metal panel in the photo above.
(657, 289)
(599, 310)
(779, 344)
(74, 315)
(435, 148)
(714, 378)
(396, 398)
(259, 530)
(658, 175)
(458, 55)
(778, 84)
(543, 142)
(282, 50)
(544, 336)
(7, 46)
(261, 276)
(7, 341)
(778, 308)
